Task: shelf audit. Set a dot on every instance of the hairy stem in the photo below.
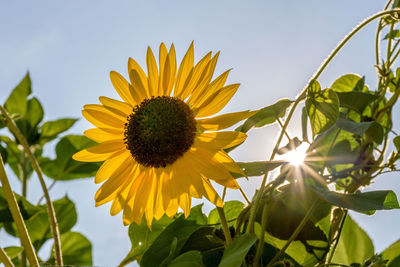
(225, 226)
(35, 165)
(17, 216)
(5, 259)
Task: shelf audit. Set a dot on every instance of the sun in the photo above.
(296, 157)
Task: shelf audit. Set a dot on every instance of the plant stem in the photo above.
(332, 251)
(260, 247)
(224, 225)
(9, 122)
(5, 259)
(295, 233)
(16, 214)
(302, 96)
(24, 179)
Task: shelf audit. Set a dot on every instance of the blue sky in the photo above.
(69, 47)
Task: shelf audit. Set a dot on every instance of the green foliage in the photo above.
(76, 249)
(322, 108)
(237, 250)
(354, 245)
(231, 209)
(257, 168)
(188, 259)
(169, 242)
(63, 167)
(266, 115)
(348, 83)
(13, 252)
(392, 254)
(51, 129)
(362, 202)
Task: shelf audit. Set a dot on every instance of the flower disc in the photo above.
(159, 131)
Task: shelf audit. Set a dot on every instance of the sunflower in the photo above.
(159, 146)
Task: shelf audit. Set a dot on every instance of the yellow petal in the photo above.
(217, 101)
(185, 203)
(183, 72)
(103, 119)
(203, 86)
(139, 93)
(113, 104)
(111, 112)
(119, 200)
(142, 197)
(127, 216)
(211, 194)
(162, 57)
(152, 73)
(111, 165)
(228, 162)
(159, 206)
(169, 72)
(149, 210)
(211, 88)
(203, 162)
(195, 76)
(120, 177)
(221, 140)
(99, 152)
(223, 121)
(122, 87)
(100, 135)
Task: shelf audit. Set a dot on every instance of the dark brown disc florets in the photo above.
(159, 131)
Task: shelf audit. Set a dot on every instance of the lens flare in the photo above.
(296, 157)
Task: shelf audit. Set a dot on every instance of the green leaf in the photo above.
(354, 245)
(348, 83)
(76, 250)
(27, 209)
(371, 129)
(297, 251)
(256, 168)
(392, 252)
(63, 167)
(231, 209)
(13, 252)
(142, 237)
(188, 259)
(266, 115)
(35, 112)
(392, 35)
(197, 215)
(361, 202)
(237, 250)
(180, 229)
(50, 129)
(322, 108)
(357, 101)
(39, 227)
(205, 240)
(396, 142)
(17, 102)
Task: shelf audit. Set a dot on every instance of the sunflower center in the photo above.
(159, 131)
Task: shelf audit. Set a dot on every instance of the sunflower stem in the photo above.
(17, 216)
(301, 97)
(5, 259)
(260, 247)
(9, 122)
(225, 226)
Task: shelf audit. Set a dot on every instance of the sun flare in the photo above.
(296, 157)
